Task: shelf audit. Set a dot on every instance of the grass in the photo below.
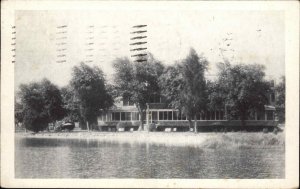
(245, 140)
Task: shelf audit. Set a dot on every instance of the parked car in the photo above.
(69, 126)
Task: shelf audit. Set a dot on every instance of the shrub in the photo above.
(265, 130)
(123, 125)
(152, 127)
(275, 131)
(135, 123)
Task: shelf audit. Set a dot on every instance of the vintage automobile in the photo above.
(69, 126)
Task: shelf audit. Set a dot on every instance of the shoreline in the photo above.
(206, 140)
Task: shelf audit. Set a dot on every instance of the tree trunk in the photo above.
(141, 120)
(87, 126)
(195, 123)
(190, 123)
(141, 127)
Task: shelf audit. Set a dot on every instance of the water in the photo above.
(68, 158)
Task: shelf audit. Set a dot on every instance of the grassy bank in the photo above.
(245, 140)
(203, 140)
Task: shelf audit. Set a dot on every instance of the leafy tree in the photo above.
(280, 99)
(138, 81)
(184, 86)
(89, 87)
(41, 104)
(244, 89)
(18, 113)
(71, 104)
(53, 101)
(216, 97)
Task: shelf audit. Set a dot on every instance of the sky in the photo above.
(240, 36)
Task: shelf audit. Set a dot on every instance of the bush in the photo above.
(152, 127)
(123, 125)
(265, 130)
(275, 131)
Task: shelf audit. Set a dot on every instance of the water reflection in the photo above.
(86, 158)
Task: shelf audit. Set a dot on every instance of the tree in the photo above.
(89, 87)
(216, 97)
(53, 101)
(280, 99)
(71, 104)
(138, 81)
(41, 104)
(244, 89)
(18, 113)
(184, 86)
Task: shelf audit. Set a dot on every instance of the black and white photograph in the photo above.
(150, 93)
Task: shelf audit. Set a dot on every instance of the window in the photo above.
(127, 116)
(217, 115)
(161, 115)
(213, 115)
(154, 115)
(170, 115)
(122, 116)
(175, 113)
(179, 116)
(183, 117)
(135, 116)
(117, 116)
(165, 115)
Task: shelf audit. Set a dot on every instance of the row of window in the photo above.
(160, 115)
(176, 115)
(125, 116)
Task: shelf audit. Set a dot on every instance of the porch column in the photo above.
(265, 115)
(215, 115)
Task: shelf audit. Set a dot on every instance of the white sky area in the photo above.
(257, 37)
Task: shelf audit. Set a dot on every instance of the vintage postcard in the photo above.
(167, 94)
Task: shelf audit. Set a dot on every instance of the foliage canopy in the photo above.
(40, 103)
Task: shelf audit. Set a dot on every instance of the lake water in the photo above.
(70, 158)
